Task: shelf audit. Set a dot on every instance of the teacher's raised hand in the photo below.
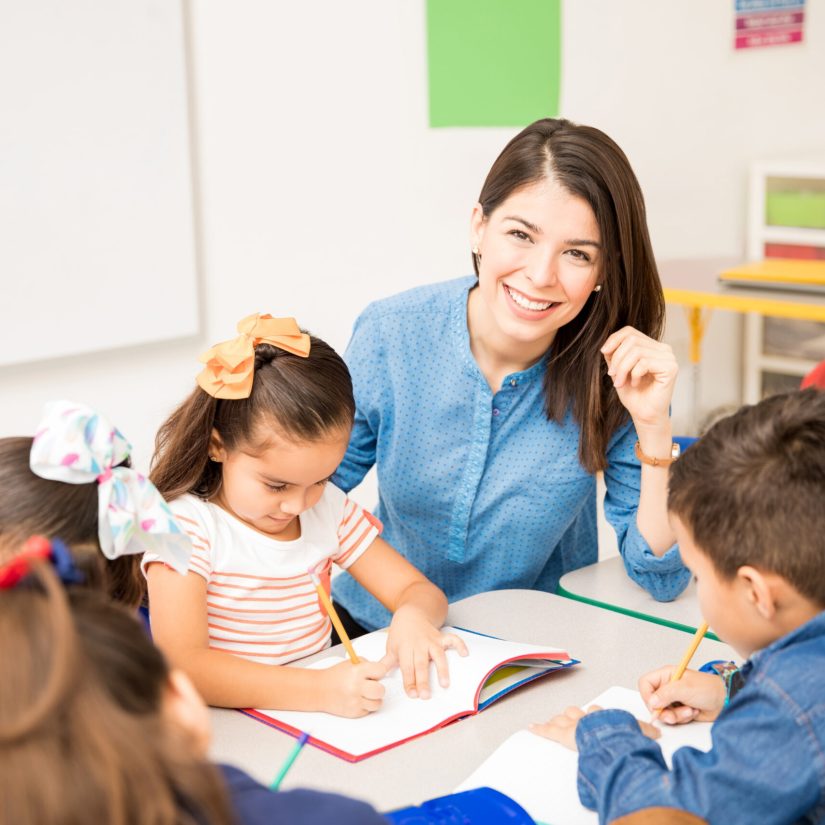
(644, 373)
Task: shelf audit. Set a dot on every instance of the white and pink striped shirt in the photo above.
(261, 603)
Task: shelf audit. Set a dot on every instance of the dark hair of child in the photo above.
(300, 399)
(750, 491)
(33, 505)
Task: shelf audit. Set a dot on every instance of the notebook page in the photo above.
(541, 775)
(400, 717)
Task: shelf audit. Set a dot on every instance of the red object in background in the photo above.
(795, 251)
(815, 378)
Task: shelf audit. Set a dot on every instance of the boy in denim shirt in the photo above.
(748, 506)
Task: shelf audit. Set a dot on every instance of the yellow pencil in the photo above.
(336, 622)
(682, 666)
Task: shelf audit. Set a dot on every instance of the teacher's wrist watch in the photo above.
(654, 461)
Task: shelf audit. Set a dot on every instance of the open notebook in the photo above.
(493, 668)
(541, 775)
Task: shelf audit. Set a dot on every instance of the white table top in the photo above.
(614, 650)
(606, 584)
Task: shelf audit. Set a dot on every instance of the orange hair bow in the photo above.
(230, 365)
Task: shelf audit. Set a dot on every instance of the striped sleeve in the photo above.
(188, 520)
(357, 530)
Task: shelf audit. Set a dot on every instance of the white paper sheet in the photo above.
(541, 775)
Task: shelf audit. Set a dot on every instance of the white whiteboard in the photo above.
(97, 245)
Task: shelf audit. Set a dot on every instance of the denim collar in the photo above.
(812, 629)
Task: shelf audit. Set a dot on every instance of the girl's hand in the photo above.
(562, 728)
(698, 696)
(412, 642)
(352, 690)
(644, 374)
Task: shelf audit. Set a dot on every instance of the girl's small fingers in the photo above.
(373, 690)
(422, 673)
(407, 666)
(442, 669)
(449, 641)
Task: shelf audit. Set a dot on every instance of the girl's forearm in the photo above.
(225, 680)
(427, 599)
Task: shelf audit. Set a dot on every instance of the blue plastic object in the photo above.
(684, 441)
(481, 806)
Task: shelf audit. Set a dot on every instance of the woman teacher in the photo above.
(490, 402)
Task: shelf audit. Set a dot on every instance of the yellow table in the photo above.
(693, 284)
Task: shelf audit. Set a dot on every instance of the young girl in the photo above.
(81, 677)
(73, 480)
(245, 462)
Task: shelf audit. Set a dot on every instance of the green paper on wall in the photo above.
(493, 62)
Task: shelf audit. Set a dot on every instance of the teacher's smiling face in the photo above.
(540, 259)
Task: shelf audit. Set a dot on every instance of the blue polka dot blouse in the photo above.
(477, 489)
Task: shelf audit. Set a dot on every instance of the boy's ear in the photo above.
(217, 452)
(758, 590)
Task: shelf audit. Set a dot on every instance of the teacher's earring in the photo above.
(476, 256)
(597, 288)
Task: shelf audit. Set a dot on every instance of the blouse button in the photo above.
(495, 410)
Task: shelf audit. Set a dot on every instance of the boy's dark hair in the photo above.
(302, 399)
(750, 491)
(32, 505)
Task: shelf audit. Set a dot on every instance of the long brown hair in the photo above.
(589, 165)
(301, 398)
(33, 505)
(82, 737)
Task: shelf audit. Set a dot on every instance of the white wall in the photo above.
(320, 185)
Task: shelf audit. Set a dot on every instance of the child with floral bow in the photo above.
(74, 481)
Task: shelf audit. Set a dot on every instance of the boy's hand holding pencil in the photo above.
(696, 696)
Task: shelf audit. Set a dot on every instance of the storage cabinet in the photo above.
(786, 219)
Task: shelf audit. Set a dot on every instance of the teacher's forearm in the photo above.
(651, 517)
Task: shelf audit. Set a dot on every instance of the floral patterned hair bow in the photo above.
(39, 547)
(75, 445)
(230, 365)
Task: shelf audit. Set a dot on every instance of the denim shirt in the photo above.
(477, 489)
(767, 762)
